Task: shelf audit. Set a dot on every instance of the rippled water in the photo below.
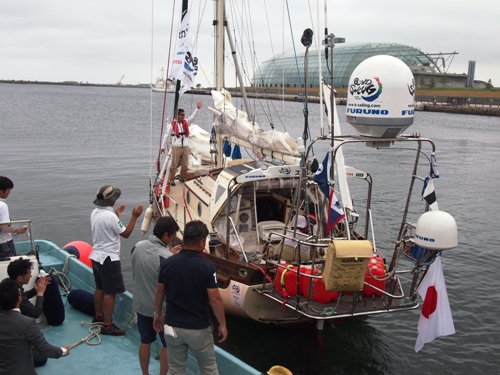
(60, 144)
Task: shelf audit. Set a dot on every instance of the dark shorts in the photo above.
(148, 333)
(7, 249)
(108, 276)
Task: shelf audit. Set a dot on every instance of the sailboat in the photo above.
(289, 244)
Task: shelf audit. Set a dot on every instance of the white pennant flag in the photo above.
(185, 64)
(435, 319)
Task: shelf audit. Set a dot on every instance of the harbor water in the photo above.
(59, 144)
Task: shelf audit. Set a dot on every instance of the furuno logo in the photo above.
(426, 239)
(360, 111)
(407, 112)
(257, 176)
(411, 88)
(284, 170)
(368, 89)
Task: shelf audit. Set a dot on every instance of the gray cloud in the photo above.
(98, 41)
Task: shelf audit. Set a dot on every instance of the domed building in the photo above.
(288, 70)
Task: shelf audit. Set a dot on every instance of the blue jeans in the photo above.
(201, 343)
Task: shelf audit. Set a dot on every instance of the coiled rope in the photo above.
(93, 338)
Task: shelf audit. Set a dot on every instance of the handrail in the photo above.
(29, 233)
(302, 242)
(239, 240)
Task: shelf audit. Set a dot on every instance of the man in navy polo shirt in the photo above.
(188, 283)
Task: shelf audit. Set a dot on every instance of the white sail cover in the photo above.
(340, 167)
(234, 122)
(199, 142)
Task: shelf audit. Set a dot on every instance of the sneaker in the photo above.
(112, 330)
(98, 319)
(172, 183)
(182, 179)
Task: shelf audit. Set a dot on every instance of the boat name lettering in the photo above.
(285, 171)
(351, 260)
(405, 112)
(427, 239)
(257, 176)
(360, 111)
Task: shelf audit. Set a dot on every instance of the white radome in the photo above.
(381, 97)
(436, 230)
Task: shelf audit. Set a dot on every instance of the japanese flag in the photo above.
(435, 319)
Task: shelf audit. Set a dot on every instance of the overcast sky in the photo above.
(98, 41)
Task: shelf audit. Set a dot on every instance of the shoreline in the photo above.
(467, 101)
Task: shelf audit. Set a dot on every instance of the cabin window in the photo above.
(220, 191)
(188, 197)
(199, 209)
(242, 213)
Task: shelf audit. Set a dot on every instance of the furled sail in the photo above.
(236, 124)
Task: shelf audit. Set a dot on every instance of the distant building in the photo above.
(288, 70)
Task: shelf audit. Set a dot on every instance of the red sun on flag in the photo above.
(430, 302)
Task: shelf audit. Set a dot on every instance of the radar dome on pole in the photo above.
(436, 230)
(381, 97)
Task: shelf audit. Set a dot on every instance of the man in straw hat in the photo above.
(105, 256)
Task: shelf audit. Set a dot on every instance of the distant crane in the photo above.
(119, 83)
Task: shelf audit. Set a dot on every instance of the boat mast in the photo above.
(237, 65)
(219, 44)
(329, 44)
(219, 65)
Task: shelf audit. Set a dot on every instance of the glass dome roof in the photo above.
(288, 70)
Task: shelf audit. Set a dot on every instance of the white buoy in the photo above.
(146, 222)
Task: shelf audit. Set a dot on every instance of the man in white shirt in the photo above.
(7, 247)
(105, 256)
(177, 137)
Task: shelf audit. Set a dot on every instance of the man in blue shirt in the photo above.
(188, 283)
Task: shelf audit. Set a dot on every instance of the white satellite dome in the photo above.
(381, 97)
(436, 230)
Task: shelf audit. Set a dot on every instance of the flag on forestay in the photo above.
(429, 194)
(435, 319)
(185, 64)
(434, 167)
(322, 178)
